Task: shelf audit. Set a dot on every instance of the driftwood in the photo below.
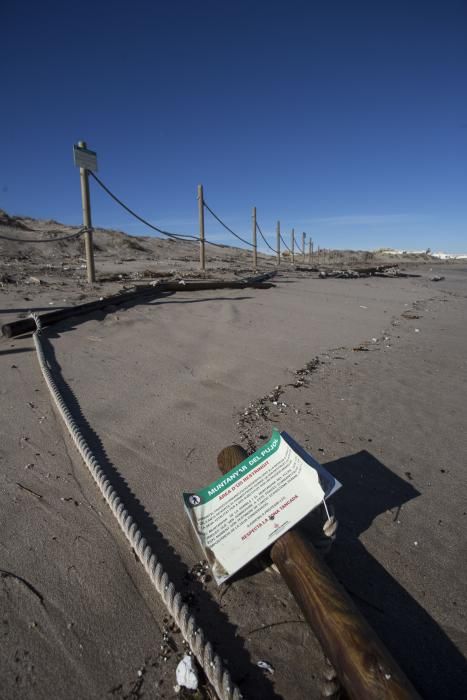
(389, 270)
(28, 325)
(363, 665)
(396, 273)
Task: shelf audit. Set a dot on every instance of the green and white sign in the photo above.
(84, 158)
(246, 510)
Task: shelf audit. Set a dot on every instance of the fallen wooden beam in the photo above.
(371, 270)
(28, 325)
(355, 272)
(397, 273)
(363, 665)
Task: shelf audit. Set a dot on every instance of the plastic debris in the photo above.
(186, 673)
(266, 666)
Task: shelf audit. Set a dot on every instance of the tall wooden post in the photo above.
(87, 223)
(292, 247)
(311, 240)
(255, 248)
(278, 242)
(202, 258)
(303, 245)
(309, 251)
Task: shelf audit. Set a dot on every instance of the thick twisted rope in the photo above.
(174, 236)
(225, 226)
(202, 649)
(264, 239)
(46, 240)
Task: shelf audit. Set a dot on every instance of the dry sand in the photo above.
(160, 388)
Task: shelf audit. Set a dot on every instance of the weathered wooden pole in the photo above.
(292, 247)
(309, 251)
(87, 222)
(363, 665)
(202, 256)
(303, 245)
(255, 249)
(278, 242)
(312, 251)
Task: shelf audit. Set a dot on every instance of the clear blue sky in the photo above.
(347, 120)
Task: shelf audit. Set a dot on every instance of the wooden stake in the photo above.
(255, 249)
(363, 665)
(303, 245)
(202, 258)
(86, 206)
(278, 242)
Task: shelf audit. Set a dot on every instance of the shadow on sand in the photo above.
(430, 659)
(12, 351)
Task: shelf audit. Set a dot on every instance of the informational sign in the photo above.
(246, 510)
(84, 158)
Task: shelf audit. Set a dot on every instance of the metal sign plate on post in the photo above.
(84, 158)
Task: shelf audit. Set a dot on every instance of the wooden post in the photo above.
(86, 206)
(292, 238)
(255, 248)
(312, 251)
(278, 242)
(303, 245)
(362, 663)
(309, 251)
(202, 258)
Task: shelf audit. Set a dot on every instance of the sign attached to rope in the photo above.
(246, 510)
(84, 158)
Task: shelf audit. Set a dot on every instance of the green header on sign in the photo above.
(239, 472)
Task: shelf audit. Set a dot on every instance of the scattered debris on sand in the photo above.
(357, 272)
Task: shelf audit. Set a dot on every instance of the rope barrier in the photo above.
(264, 239)
(178, 236)
(226, 227)
(202, 649)
(45, 240)
(280, 235)
(185, 237)
(300, 250)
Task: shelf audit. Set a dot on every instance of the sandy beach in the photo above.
(160, 388)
